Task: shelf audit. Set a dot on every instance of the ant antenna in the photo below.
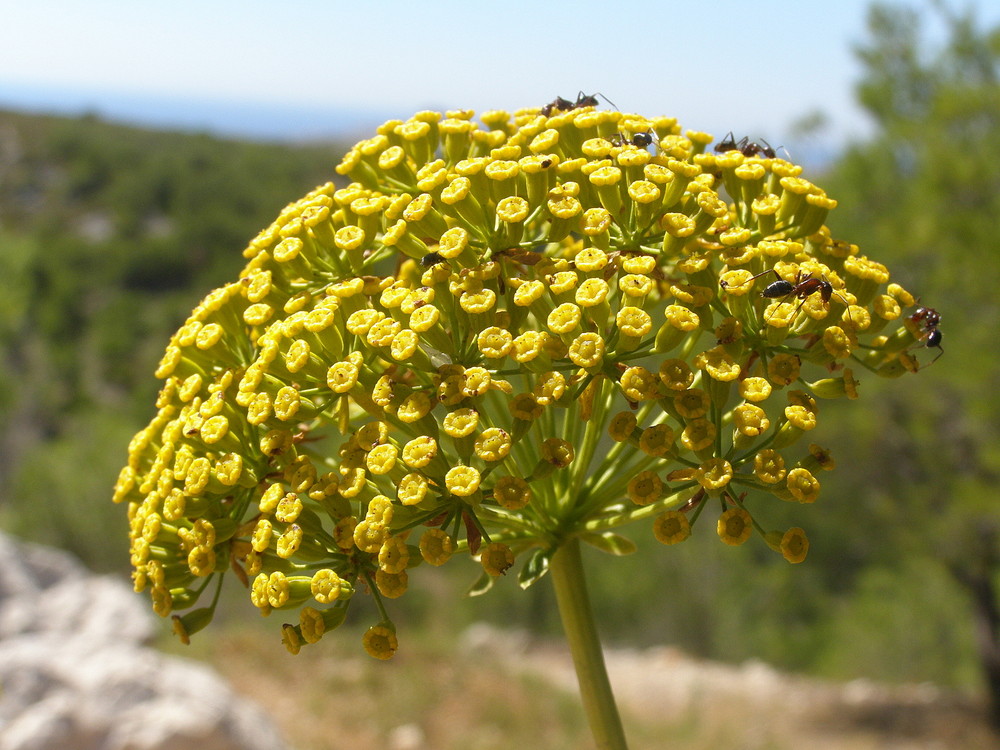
(613, 105)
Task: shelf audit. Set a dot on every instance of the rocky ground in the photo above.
(76, 671)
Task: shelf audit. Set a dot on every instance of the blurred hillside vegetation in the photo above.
(109, 235)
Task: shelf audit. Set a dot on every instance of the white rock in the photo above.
(74, 674)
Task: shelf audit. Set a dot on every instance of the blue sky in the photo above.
(717, 65)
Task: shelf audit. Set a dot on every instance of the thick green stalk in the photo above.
(566, 569)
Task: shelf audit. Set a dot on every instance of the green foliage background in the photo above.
(109, 235)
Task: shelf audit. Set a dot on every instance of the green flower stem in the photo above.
(577, 617)
(611, 464)
(591, 438)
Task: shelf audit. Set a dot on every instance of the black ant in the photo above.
(805, 285)
(728, 144)
(432, 259)
(560, 104)
(745, 146)
(582, 100)
(756, 149)
(639, 140)
(928, 319)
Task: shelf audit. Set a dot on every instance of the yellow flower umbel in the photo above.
(501, 337)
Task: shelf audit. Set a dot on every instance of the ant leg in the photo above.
(936, 346)
(780, 303)
(847, 306)
(794, 314)
(724, 285)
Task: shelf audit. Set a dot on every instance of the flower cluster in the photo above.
(499, 336)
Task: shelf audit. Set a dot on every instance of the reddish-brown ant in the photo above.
(928, 319)
(582, 100)
(612, 267)
(926, 316)
(805, 286)
(693, 502)
(519, 255)
(515, 255)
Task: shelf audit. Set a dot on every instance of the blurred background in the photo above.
(143, 144)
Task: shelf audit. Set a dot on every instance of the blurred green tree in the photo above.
(106, 230)
(924, 193)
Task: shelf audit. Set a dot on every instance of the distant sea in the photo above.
(226, 119)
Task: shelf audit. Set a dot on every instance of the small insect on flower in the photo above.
(728, 143)
(582, 100)
(515, 255)
(928, 319)
(745, 146)
(615, 260)
(639, 140)
(758, 149)
(557, 104)
(519, 255)
(432, 259)
(804, 286)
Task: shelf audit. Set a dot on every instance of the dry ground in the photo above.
(496, 690)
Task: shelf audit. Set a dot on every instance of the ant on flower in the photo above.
(804, 286)
(745, 146)
(639, 140)
(515, 255)
(582, 100)
(519, 255)
(928, 319)
(432, 259)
